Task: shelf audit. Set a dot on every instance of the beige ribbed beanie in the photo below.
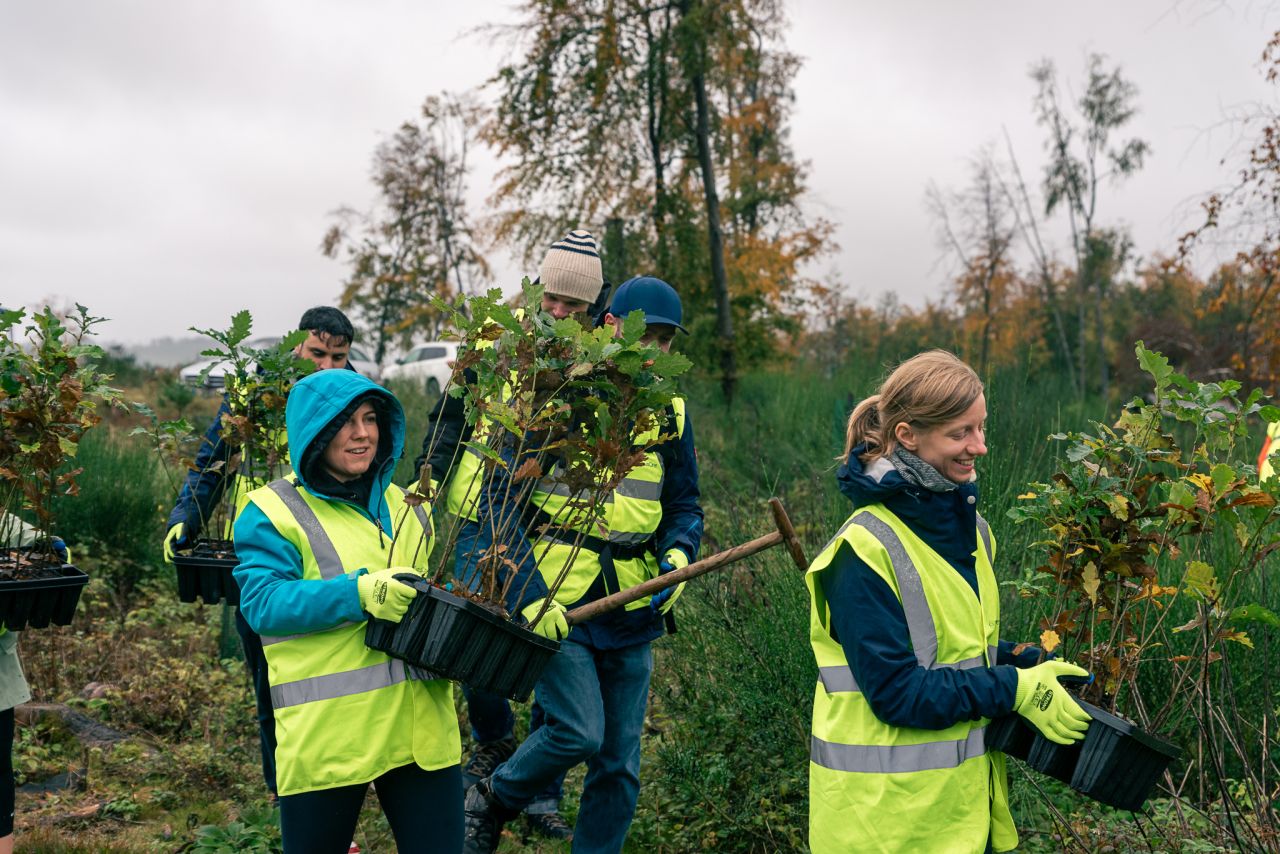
(571, 267)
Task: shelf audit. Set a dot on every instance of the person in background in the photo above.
(572, 279)
(317, 551)
(14, 533)
(1270, 447)
(595, 690)
(904, 625)
(329, 338)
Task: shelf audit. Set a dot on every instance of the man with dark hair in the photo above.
(328, 325)
(328, 341)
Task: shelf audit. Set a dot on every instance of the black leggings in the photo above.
(6, 772)
(424, 809)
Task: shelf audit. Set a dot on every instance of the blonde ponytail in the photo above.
(925, 391)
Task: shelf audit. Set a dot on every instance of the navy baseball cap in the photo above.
(658, 300)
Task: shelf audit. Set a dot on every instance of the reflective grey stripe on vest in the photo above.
(646, 490)
(984, 531)
(618, 538)
(897, 758)
(924, 635)
(321, 545)
(839, 678)
(552, 486)
(333, 685)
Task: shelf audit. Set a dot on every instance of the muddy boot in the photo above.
(548, 825)
(483, 818)
(486, 757)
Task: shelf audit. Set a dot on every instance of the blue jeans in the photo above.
(490, 714)
(594, 702)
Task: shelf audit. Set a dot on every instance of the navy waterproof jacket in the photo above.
(870, 624)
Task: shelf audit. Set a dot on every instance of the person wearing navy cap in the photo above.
(595, 690)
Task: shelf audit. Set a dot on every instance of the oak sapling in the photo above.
(50, 391)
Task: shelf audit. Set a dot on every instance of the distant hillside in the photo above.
(169, 352)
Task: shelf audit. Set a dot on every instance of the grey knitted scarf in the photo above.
(917, 472)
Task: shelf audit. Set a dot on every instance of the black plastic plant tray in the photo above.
(460, 640)
(1011, 735)
(1120, 763)
(36, 602)
(1055, 760)
(207, 575)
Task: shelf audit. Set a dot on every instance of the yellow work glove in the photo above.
(553, 625)
(383, 596)
(177, 534)
(664, 600)
(1043, 701)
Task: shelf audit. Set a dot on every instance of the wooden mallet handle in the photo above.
(785, 534)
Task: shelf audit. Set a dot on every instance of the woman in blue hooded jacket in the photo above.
(905, 625)
(319, 552)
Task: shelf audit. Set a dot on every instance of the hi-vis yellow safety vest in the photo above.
(628, 521)
(874, 787)
(345, 714)
(1270, 447)
(463, 490)
(468, 475)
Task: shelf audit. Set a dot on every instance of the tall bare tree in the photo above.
(670, 117)
(977, 225)
(417, 240)
(1081, 157)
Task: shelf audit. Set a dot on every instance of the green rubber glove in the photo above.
(553, 625)
(1043, 701)
(664, 600)
(383, 596)
(176, 534)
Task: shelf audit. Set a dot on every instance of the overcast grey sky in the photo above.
(169, 163)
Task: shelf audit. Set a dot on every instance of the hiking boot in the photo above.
(549, 825)
(483, 816)
(487, 756)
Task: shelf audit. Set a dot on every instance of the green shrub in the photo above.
(117, 520)
(732, 699)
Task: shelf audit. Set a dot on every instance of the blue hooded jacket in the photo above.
(869, 622)
(206, 481)
(274, 598)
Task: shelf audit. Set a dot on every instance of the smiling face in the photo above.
(350, 453)
(953, 446)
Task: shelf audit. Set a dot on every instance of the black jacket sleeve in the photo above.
(206, 480)
(447, 432)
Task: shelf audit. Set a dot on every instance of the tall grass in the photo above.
(733, 689)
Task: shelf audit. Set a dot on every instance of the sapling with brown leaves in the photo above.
(551, 401)
(50, 391)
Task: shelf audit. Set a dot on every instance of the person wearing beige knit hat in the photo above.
(571, 277)
(570, 274)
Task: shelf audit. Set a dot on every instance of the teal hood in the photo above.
(314, 403)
